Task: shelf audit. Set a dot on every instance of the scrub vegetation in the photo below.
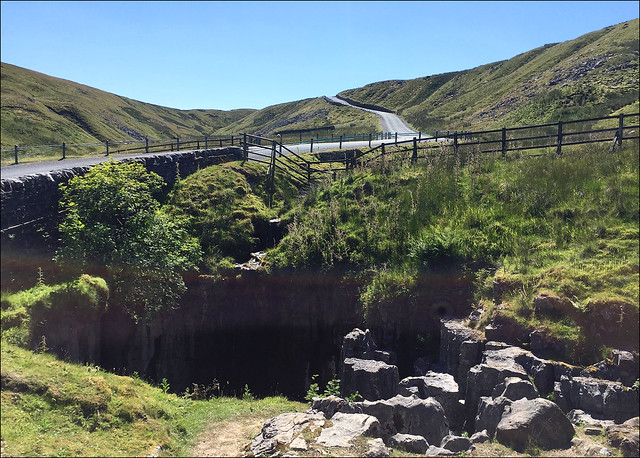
(564, 225)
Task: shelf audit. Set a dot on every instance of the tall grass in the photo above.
(568, 224)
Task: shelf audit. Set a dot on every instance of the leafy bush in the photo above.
(114, 225)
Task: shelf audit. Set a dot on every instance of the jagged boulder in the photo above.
(456, 444)
(538, 422)
(452, 336)
(346, 427)
(481, 381)
(440, 386)
(357, 342)
(515, 388)
(551, 305)
(377, 448)
(490, 413)
(407, 415)
(580, 417)
(625, 437)
(622, 367)
(328, 405)
(409, 443)
(480, 437)
(607, 399)
(372, 379)
(280, 431)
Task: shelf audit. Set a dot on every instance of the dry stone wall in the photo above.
(35, 197)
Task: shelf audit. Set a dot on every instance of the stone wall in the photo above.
(35, 197)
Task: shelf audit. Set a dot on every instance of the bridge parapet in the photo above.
(32, 201)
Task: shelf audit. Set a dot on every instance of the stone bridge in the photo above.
(30, 203)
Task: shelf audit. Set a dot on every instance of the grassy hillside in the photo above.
(38, 109)
(52, 407)
(591, 76)
(567, 226)
(305, 114)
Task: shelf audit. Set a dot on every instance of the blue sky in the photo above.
(227, 55)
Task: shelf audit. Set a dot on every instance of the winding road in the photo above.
(389, 121)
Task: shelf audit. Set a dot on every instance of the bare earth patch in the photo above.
(227, 438)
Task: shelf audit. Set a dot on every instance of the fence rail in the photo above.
(548, 138)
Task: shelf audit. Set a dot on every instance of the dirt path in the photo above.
(227, 438)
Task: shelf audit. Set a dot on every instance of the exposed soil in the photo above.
(228, 438)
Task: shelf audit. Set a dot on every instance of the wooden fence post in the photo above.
(414, 158)
(177, 143)
(15, 153)
(245, 148)
(311, 145)
(232, 140)
(620, 129)
(455, 142)
(64, 150)
(396, 138)
(436, 136)
(559, 147)
(340, 141)
(419, 135)
(504, 142)
(369, 140)
(146, 144)
(206, 142)
(107, 145)
(272, 170)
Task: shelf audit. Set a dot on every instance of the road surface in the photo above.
(390, 123)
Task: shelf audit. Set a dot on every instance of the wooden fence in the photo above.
(12, 155)
(532, 140)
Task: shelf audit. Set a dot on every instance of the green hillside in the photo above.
(305, 114)
(38, 109)
(591, 76)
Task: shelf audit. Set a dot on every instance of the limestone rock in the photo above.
(515, 388)
(622, 367)
(480, 437)
(625, 437)
(608, 399)
(372, 379)
(356, 343)
(548, 304)
(377, 448)
(481, 381)
(490, 413)
(347, 427)
(580, 417)
(328, 406)
(438, 451)
(409, 443)
(408, 415)
(538, 422)
(452, 335)
(456, 444)
(280, 431)
(440, 386)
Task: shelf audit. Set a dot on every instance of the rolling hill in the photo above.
(40, 109)
(592, 75)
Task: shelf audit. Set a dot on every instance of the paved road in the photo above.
(390, 122)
